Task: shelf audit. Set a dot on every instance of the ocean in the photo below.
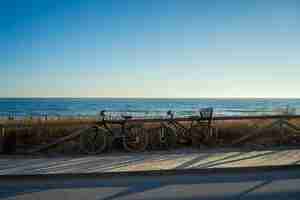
(90, 107)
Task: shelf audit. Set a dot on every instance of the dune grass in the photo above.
(30, 133)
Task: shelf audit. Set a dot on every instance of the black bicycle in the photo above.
(100, 137)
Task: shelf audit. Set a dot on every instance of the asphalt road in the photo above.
(283, 183)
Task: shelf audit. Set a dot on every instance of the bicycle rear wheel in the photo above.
(135, 139)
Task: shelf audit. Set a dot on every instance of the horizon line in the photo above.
(95, 97)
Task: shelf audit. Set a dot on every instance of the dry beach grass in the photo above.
(32, 132)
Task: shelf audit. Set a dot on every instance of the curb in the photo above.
(172, 172)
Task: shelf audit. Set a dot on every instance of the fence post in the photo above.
(8, 141)
(2, 130)
(1, 138)
(281, 130)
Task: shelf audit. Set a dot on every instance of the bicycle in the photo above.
(200, 130)
(100, 136)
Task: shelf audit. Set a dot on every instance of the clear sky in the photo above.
(150, 48)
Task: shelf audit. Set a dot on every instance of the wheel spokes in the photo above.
(135, 139)
(94, 141)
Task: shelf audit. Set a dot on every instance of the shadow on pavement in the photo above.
(193, 161)
(236, 160)
(221, 159)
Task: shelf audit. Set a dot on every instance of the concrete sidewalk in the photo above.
(163, 160)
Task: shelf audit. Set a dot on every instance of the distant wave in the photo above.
(248, 111)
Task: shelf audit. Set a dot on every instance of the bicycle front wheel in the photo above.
(95, 140)
(168, 136)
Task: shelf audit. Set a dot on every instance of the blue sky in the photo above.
(157, 48)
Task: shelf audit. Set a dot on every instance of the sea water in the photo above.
(88, 107)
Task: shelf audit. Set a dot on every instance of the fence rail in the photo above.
(20, 122)
(218, 118)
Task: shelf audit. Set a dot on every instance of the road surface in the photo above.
(283, 183)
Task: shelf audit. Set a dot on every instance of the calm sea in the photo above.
(86, 107)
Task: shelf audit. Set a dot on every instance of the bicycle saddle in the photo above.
(170, 114)
(102, 113)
